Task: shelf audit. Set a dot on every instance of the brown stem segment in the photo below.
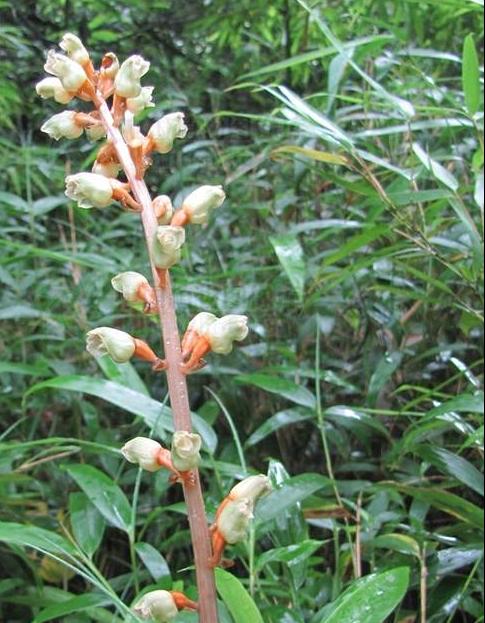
(177, 382)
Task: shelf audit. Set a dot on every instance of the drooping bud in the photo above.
(233, 522)
(70, 73)
(162, 606)
(96, 132)
(142, 101)
(120, 346)
(90, 190)
(143, 452)
(198, 327)
(198, 206)
(163, 133)
(163, 208)
(52, 87)
(74, 48)
(63, 125)
(186, 451)
(167, 249)
(110, 169)
(224, 332)
(127, 80)
(133, 286)
(110, 66)
(251, 488)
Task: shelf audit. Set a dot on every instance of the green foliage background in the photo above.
(349, 138)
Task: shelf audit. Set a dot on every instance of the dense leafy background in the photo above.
(350, 143)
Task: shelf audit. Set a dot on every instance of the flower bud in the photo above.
(74, 48)
(164, 132)
(110, 169)
(224, 332)
(167, 249)
(233, 522)
(199, 204)
(128, 284)
(120, 346)
(251, 488)
(142, 101)
(186, 451)
(62, 125)
(110, 66)
(163, 208)
(96, 132)
(70, 73)
(143, 452)
(90, 190)
(127, 80)
(52, 87)
(157, 606)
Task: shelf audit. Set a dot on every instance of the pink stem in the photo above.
(177, 381)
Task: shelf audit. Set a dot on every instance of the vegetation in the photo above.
(350, 139)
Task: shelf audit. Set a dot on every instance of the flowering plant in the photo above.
(126, 149)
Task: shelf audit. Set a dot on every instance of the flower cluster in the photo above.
(125, 148)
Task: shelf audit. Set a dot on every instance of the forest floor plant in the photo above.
(127, 149)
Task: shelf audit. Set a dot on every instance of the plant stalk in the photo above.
(177, 381)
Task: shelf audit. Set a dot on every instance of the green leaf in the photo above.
(76, 604)
(371, 599)
(382, 374)
(471, 76)
(313, 154)
(401, 543)
(447, 502)
(291, 492)
(104, 493)
(153, 561)
(39, 369)
(291, 555)
(152, 411)
(453, 465)
(290, 254)
(438, 170)
(237, 599)
(37, 538)
(280, 386)
(87, 522)
(276, 422)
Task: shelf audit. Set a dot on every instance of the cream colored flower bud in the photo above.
(143, 452)
(127, 80)
(142, 101)
(70, 73)
(74, 48)
(90, 190)
(233, 522)
(96, 132)
(164, 132)
(167, 249)
(251, 488)
(131, 132)
(157, 606)
(128, 284)
(224, 332)
(52, 87)
(110, 169)
(120, 346)
(109, 66)
(62, 125)
(163, 208)
(200, 324)
(200, 203)
(186, 451)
